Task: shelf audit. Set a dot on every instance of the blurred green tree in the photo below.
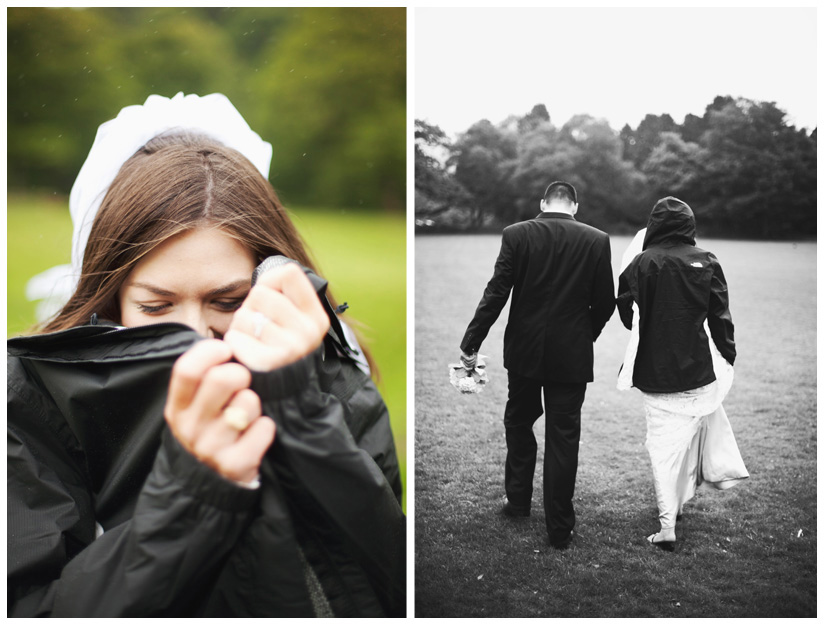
(165, 51)
(326, 86)
(61, 86)
(72, 69)
(251, 29)
(332, 100)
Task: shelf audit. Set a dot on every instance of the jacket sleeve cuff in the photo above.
(288, 381)
(199, 480)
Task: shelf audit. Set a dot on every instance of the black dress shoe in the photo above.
(510, 510)
(563, 543)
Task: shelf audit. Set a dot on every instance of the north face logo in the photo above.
(696, 264)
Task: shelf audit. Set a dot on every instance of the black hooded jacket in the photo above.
(89, 453)
(676, 287)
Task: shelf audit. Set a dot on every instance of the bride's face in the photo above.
(198, 278)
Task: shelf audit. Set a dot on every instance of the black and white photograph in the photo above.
(615, 312)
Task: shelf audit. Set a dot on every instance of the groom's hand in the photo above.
(469, 360)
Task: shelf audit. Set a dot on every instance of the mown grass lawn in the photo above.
(746, 552)
(361, 253)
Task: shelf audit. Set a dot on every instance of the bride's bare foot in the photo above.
(664, 539)
(666, 534)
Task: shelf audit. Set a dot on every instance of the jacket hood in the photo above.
(671, 221)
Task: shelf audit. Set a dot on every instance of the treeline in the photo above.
(326, 86)
(744, 171)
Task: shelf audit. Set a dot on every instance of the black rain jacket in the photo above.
(676, 287)
(88, 447)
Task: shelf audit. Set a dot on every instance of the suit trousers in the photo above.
(562, 403)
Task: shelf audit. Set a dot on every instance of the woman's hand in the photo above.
(213, 413)
(280, 321)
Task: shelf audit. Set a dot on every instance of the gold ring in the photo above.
(236, 417)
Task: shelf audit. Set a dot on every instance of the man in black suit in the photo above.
(562, 282)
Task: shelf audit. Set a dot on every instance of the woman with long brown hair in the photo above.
(181, 440)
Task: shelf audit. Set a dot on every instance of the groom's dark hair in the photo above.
(560, 190)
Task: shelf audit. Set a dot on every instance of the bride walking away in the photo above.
(680, 297)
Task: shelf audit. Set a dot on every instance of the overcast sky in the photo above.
(618, 64)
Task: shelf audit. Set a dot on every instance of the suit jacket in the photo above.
(562, 282)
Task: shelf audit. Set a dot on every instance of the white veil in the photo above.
(625, 380)
(116, 141)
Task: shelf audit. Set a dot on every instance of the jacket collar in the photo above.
(554, 214)
(102, 343)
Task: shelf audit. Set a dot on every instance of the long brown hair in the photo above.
(177, 182)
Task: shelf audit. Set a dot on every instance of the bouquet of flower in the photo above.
(469, 381)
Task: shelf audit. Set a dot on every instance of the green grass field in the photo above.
(747, 552)
(361, 253)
